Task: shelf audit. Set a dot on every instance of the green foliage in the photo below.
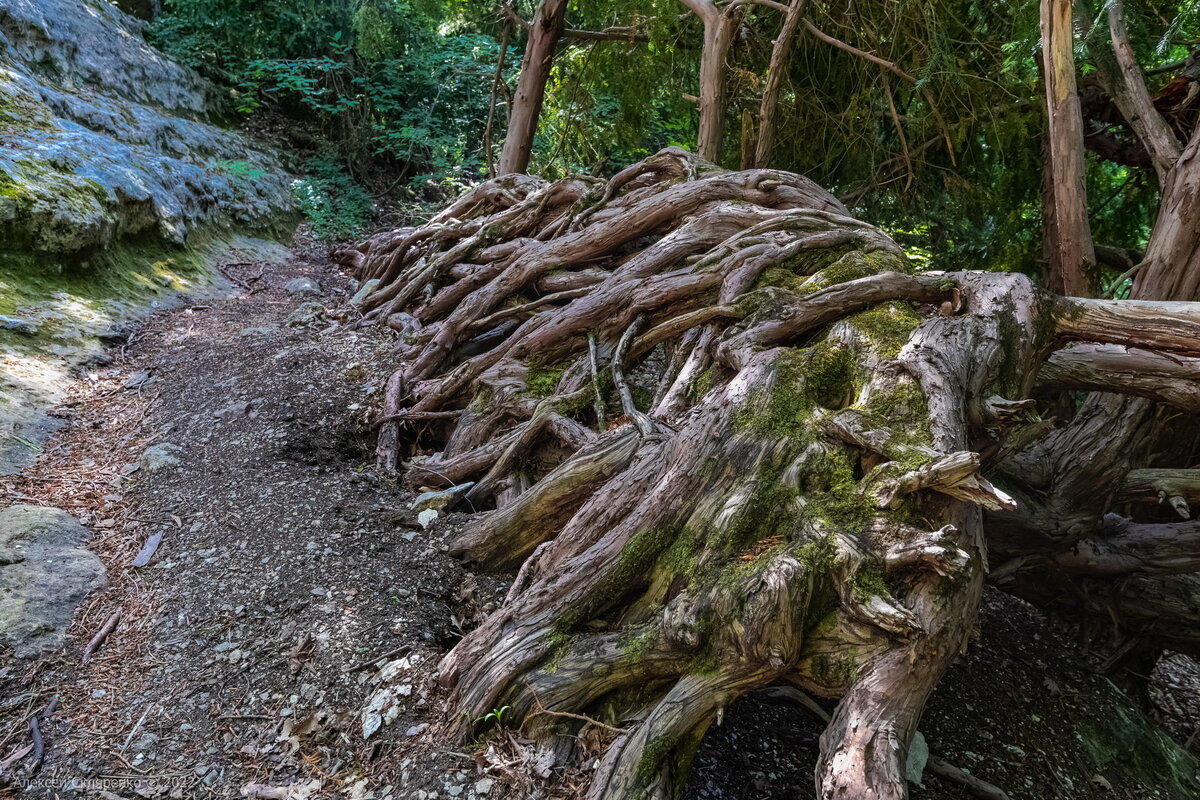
(329, 198)
(241, 172)
(379, 81)
(494, 718)
(949, 162)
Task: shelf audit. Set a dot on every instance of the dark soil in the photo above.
(1021, 710)
(243, 659)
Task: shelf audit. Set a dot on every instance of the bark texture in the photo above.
(544, 33)
(720, 25)
(1069, 238)
(725, 435)
(1170, 269)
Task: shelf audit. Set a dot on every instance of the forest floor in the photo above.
(285, 631)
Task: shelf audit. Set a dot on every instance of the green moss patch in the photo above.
(1126, 739)
(905, 412)
(888, 327)
(20, 111)
(541, 381)
(819, 376)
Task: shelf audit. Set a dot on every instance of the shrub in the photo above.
(332, 201)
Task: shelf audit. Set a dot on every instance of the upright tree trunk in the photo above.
(719, 28)
(1070, 249)
(747, 150)
(544, 33)
(1171, 267)
(770, 95)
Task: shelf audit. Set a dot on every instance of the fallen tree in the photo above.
(727, 436)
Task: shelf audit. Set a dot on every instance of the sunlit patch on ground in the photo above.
(56, 318)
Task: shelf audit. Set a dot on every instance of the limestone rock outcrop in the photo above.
(103, 137)
(45, 572)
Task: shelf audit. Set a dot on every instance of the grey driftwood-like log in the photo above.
(726, 435)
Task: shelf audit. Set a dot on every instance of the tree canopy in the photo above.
(926, 118)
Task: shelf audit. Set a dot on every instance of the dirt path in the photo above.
(284, 562)
(285, 630)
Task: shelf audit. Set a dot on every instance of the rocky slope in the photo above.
(118, 190)
(103, 137)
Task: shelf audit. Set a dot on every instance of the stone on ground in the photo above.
(302, 286)
(159, 456)
(45, 572)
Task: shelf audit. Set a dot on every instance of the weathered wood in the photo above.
(1153, 324)
(1166, 377)
(1121, 547)
(726, 499)
(389, 434)
(1070, 251)
(1177, 487)
(105, 631)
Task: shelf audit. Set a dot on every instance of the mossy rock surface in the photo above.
(61, 316)
(103, 138)
(118, 193)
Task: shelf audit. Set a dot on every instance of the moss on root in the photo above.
(821, 376)
(839, 671)
(481, 403)
(869, 581)
(654, 755)
(541, 381)
(636, 642)
(680, 557)
(1126, 738)
(702, 385)
(852, 266)
(905, 412)
(750, 524)
(635, 562)
(560, 640)
(818, 554)
(888, 327)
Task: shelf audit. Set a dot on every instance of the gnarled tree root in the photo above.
(729, 435)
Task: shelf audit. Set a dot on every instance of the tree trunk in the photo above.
(1171, 267)
(544, 33)
(493, 97)
(719, 27)
(728, 436)
(775, 70)
(1069, 238)
(747, 150)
